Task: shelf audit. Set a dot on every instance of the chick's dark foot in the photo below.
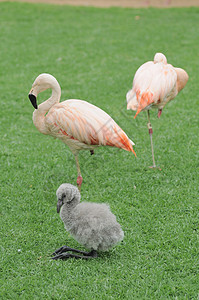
(61, 250)
(92, 253)
(67, 255)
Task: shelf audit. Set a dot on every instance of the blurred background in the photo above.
(123, 3)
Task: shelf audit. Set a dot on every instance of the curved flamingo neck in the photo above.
(46, 105)
(43, 108)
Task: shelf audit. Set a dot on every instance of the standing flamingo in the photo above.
(79, 124)
(155, 83)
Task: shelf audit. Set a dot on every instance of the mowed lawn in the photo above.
(94, 54)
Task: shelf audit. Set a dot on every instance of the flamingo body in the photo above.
(155, 83)
(82, 125)
(79, 124)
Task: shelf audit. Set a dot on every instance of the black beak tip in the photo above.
(33, 100)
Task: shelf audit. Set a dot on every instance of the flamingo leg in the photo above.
(79, 176)
(150, 133)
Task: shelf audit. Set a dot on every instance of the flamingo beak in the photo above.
(59, 205)
(33, 100)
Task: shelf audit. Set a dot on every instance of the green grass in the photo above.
(94, 54)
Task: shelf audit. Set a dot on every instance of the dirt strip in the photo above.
(119, 3)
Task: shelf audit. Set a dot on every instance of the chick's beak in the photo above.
(33, 99)
(59, 205)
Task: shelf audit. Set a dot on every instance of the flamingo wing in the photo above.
(82, 121)
(152, 84)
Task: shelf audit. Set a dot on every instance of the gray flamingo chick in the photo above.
(91, 224)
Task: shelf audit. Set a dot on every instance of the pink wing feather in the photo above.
(153, 84)
(82, 121)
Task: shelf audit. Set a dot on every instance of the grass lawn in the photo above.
(94, 54)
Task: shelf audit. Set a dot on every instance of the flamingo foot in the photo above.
(155, 167)
(62, 253)
(79, 182)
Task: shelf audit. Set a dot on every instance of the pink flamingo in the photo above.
(77, 123)
(155, 83)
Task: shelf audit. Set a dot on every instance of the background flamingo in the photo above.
(79, 124)
(155, 83)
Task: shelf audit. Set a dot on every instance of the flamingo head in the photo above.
(159, 57)
(43, 82)
(67, 194)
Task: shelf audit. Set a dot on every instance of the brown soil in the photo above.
(121, 3)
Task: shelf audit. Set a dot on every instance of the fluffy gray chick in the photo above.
(91, 224)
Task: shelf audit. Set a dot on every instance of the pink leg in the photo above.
(150, 133)
(159, 113)
(79, 177)
(79, 181)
